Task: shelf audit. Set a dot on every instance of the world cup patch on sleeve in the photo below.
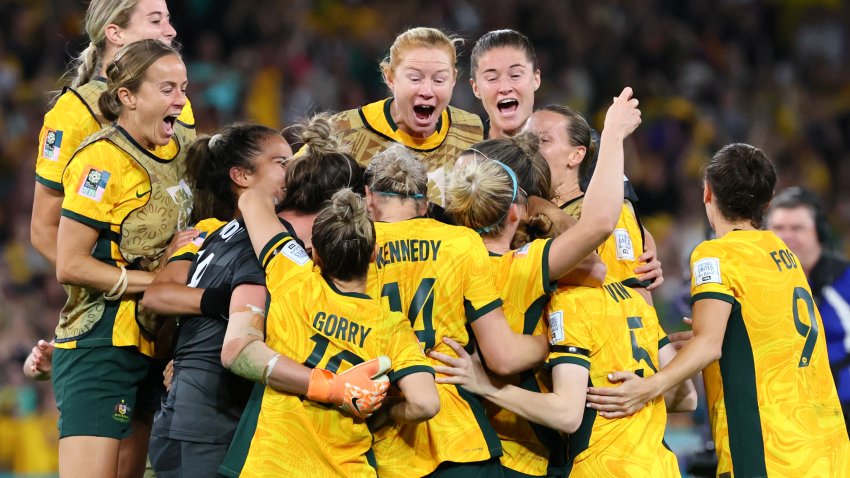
(52, 144)
(93, 183)
(707, 270)
(522, 251)
(623, 241)
(556, 327)
(295, 253)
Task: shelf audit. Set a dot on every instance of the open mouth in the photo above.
(423, 112)
(168, 123)
(507, 106)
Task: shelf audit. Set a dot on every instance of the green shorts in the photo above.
(99, 390)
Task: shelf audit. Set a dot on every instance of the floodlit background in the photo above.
(707, 72)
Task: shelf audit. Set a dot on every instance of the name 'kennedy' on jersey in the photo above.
(407, 250)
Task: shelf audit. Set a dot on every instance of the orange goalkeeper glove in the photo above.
(359, 390)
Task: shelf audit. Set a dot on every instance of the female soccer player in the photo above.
(567, 144)
(772, 402)
(485, 195)
(115, 226)
(323, 317)
(420, 72)
(110, 25)
(429, 270)
(504, 76)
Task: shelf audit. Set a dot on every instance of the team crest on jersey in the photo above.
(52, 144)
(707, 270)
(94, 183)
(295, 253)
(523, 251)
(623, 242)
(556, 327)
(122, 412)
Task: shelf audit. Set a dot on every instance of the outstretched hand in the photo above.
(465, 370)
(623, 116)
(623, 400)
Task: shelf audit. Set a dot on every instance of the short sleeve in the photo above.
(621, 250)
(92, 184)
(570, 332)
(710, 274)
(405, 350)
(546, 283)
(283, 257)
(63, 130)
(480, 294)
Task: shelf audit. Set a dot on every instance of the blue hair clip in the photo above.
(403, 196)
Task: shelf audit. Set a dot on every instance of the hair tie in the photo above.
(399, 195)
(214, 140)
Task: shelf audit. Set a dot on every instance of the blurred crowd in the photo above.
(707, 72)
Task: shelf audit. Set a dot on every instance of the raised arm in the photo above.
(257, 208)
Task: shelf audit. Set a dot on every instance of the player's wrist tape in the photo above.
(267, 372)
(119, 287)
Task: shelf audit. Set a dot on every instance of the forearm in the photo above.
(409, 412)
(86, 271)
(521, 353)
(260, 219)
(173, 299)
(681, 398)
(287, 376)
(548, 409)
(700, 352)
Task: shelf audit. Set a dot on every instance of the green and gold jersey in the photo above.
(74, 117)
(771, 397)
(312, 322)
(622, 248)
(606, 329)
(205, 228)
(370, 129)
(523, 277)
(440, 277)
(109, 188)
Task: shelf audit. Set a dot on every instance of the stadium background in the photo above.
(707, 72)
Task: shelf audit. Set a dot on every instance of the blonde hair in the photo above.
(395, 171)
(128, 70)
(344, 237)
(419, 37)
(480, 193)
(99, 15)
(326, 167)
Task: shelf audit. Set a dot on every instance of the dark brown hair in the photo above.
(742, 179)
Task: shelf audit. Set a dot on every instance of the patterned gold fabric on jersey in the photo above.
(620, 251)
(772, 400)
(109, 188)
(74, 117)
(606, 329)
(440, 277)
(523, 277)
(370, 129)
(312, 322)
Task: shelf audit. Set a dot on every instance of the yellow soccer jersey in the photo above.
(606, 329)
(440, 277)
(620, 251)
(104, 186)
(370, 129)
(310, 321)
(74, 117)
(523, 277)
(190, 250)
(781, 416)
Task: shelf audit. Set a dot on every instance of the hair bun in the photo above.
(317, 134)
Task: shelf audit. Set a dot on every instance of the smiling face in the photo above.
(505, 81)
(149, 114)
(422, 85)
